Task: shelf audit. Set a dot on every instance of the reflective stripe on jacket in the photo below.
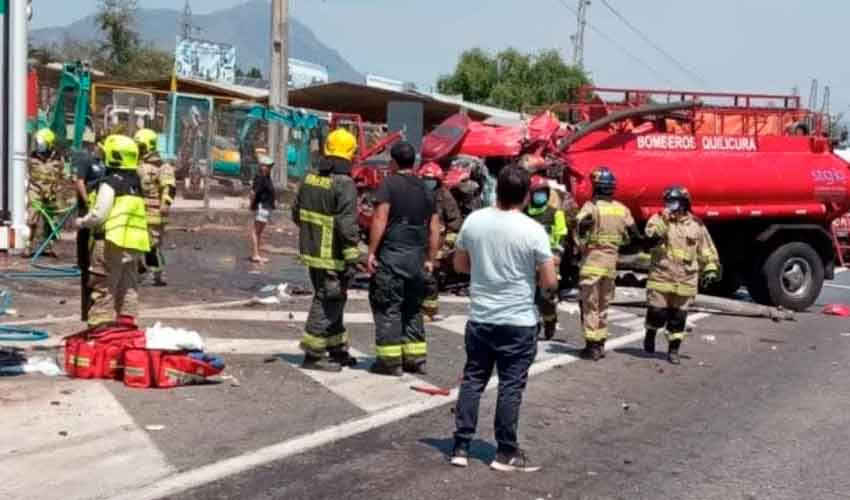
(612, 222)
(685, 249)
(325, 210)
(126, 225)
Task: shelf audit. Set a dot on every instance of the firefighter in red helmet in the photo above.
(554, 221)
(450, 222)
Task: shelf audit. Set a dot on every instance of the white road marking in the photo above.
(369, 392)
(104, 452)
(616, 315)
(453, 323)
(444, 298)
(843, 287)
(270, 316)
(634, 323)
(183, 481)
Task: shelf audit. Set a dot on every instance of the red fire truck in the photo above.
(760, 168)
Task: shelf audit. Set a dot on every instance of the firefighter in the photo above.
(603, 226)
(118, 213)
(46, 172)
(450, 222)
(159, 186)
(325, 210)
(682, 250)
(555, 222)
(405, 220)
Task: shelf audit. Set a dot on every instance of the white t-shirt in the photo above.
(505, 248)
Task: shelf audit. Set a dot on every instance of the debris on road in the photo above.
(841, 310)
(711, 339)
(432, 391)
(154, 427)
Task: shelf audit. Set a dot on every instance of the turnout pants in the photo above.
(40, 201)
(397, 307)
(431, 303)
(667, 310)
(597, 292)
(154, 260)
(324, 332)
(113, 283)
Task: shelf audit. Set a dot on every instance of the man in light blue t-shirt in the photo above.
(506, 254)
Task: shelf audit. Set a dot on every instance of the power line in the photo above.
(616, 44)
(684, 69)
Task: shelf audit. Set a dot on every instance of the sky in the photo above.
(730, 45)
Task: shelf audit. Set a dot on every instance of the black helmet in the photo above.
(678, 195)
(604, 182)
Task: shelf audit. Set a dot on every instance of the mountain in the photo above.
(245, 26)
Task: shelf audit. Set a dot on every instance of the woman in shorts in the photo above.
(262, 204)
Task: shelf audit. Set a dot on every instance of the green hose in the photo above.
(15, 334)
(43, 271)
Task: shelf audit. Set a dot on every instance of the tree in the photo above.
(121, 42)
(255, 73)
(513, 80)
(119, 52)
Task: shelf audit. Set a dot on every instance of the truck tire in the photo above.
(792, 276)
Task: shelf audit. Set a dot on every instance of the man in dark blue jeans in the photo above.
(507, 255)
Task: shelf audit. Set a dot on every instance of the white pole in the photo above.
(279, 90)
(18, 120)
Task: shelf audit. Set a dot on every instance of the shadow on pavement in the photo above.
(478, 449)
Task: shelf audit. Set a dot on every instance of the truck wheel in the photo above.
(793, 276)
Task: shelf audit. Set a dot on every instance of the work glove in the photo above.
(584, 226)
(709, 278)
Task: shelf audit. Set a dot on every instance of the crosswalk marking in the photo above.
(263, 315)
(367, 391)
(101, 437)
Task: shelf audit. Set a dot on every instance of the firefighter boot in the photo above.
(649, 341)
(549, 328)
(320, 364)
(343, 358)
(673, 352)
(593, 351)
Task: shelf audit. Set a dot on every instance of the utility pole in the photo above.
(578, 38)
(279, 95)
(186, 21)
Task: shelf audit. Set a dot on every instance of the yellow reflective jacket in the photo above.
(126, 225)
(685, 249)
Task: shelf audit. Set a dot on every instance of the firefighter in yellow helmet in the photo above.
(46, 172)
(682, 251)
(119, 215)
(325, 210)
(159, 186)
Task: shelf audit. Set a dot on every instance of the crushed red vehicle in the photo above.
(760, 168)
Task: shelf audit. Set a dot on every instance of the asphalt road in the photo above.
(757, 410)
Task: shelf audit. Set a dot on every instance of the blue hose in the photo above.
(15, 334)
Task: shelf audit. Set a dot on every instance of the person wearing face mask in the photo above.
(450, 221)
(682, 251)
(554, 222)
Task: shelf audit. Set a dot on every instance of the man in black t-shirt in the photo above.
(405, 220)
